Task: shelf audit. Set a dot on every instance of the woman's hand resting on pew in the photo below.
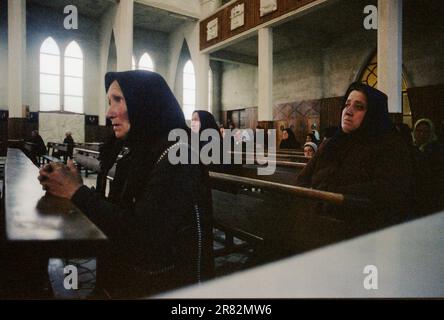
(60, 180)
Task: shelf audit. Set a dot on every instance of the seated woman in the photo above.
(310, 149)
(157, 215)
(289, 140)
(366, 158)
(202, 120)
(429, 166)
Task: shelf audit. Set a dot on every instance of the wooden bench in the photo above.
(60, 148)
(272, 217)
(47, 159)
(86, 159)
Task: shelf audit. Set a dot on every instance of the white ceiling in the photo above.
(145, 17)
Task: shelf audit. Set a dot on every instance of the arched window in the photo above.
(73, 78)
(189, 90)
(210, 90)
(49, 76)
(369, 76)
(133, 65)
(146, 63)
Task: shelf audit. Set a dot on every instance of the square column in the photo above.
(16, 56)
(390, 52)
(123, 32)
(202, 67)
(265, 74)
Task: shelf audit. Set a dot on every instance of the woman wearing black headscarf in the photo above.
(289, 140)
(202, 120)
(157, 216)
(366, 158)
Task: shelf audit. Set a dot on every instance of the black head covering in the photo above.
(153, 110)
(207, 121)
(376, 122)
(291, 142)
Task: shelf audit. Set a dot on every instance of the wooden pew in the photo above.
(86, 159)
(37, 221)
(296, 157)
(61, 148)
(37, 226)
(95, 146)
(275, 213)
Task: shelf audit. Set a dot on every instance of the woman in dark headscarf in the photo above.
(429, 167)
(366, 158)
(157, 216)
(289, 140)
(202, 120)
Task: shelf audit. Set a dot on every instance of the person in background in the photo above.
(202, 120)
(312, 138)
(70, 142)
(38, 140)
(431, 159)
(289, 140)
(310, 149)
(365, 159)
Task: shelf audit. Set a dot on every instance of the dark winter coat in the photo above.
(372, 163)
(158, 215)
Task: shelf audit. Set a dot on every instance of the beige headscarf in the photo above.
(432, 137)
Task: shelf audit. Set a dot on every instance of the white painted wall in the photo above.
(53, 126)
(239, 86)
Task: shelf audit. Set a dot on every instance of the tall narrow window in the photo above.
(73, 83)
(189, 90)
(49, 76)
(133, 64)
(146, 63)
(210, 90)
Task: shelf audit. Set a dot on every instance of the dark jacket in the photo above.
(291, 142)
(158, 215)
(40, 148)
(70, 143)
(371, 163)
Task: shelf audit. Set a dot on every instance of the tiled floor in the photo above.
(61, 276)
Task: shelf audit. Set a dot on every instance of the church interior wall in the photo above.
(3, 56)
(43, 22)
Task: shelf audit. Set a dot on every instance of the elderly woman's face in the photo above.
(422, 133)
(118, 112)
(354, 111)
(195, 122)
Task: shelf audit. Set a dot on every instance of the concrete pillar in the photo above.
(123, 32)
(106, 27)
(390, 52)
(16, 56)
(265, 73)
(201, 68)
